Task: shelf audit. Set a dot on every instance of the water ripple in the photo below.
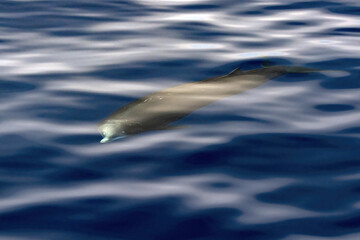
(276, 162)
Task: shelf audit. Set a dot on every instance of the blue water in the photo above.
(280, 161)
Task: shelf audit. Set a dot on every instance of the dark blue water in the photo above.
(280, 161)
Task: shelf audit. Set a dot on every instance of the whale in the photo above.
(159, 110)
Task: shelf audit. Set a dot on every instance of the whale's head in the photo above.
(111, 131)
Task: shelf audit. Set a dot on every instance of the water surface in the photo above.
(278, 162)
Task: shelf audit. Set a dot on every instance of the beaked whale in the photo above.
(158, 110)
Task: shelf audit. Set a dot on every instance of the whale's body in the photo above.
(158, 110)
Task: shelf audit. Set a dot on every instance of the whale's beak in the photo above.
(109, 139)
(105, 140)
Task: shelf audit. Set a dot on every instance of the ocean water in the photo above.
(280, 161)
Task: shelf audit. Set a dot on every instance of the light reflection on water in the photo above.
(276, 162)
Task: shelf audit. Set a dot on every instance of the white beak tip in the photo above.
(105, 140)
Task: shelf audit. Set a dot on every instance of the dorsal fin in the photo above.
(235, 72)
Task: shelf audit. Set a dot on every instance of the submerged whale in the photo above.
(158, 110)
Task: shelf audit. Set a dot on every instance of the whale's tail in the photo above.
(290, 69)
(297, 69)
